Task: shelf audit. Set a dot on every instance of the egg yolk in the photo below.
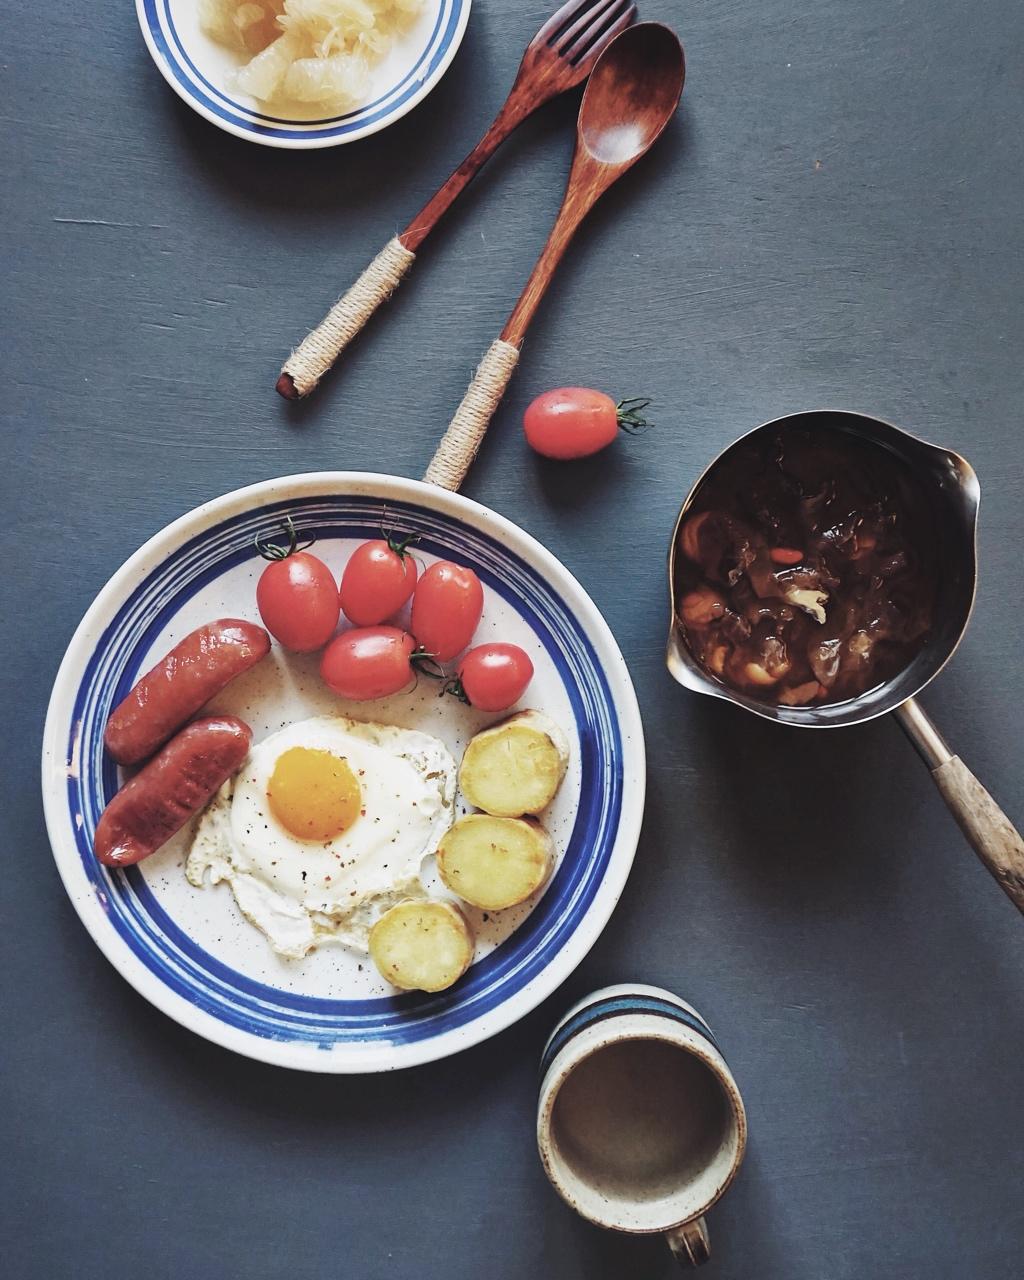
(313, 794)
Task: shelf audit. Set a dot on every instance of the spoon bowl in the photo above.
(631, 95)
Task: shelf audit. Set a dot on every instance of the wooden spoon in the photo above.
(559, 57)
(631, 95)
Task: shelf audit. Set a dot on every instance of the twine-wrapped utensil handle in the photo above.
(461, 441)
(315, 354)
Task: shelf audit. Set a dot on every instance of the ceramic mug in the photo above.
(640, 1125)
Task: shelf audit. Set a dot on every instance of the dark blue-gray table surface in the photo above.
(834, 220)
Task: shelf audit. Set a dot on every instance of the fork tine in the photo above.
(596, 38)
(560, 19)
(595, 11)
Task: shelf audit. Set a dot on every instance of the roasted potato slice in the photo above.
(494, 863)
(422, 945)
(515, 767)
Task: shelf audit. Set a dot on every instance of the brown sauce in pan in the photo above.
(805, 570)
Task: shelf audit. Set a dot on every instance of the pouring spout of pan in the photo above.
(682, 666)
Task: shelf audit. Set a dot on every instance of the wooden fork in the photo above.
(560, 56)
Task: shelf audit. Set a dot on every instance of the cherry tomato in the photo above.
(493, 676)
(378, 579)
(446, 609)
(574, 422)
(368, 662)
(298, 601)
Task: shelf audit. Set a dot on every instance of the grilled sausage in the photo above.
(172, 788)
(194, 671)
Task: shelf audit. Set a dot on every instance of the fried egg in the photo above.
(325, 827)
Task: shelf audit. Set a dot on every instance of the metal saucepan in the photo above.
(953, 487)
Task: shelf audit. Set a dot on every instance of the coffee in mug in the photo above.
(640, 1125)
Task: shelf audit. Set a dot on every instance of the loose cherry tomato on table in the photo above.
(446, 609)
(492, 676)
(368, 662)
(574, 422)
(296, 595)
(378, 579)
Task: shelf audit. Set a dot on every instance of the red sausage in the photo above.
(172, 788)
(194, 671)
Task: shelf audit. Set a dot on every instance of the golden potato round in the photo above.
(422, 945)
(494, 863)
(515, 767)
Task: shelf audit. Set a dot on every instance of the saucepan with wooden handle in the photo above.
(953, 491)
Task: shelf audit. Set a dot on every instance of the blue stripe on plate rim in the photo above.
(169, 52)
(616, 1006)
(265, 1011)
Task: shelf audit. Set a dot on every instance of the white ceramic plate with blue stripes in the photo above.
(189, 951)
(201, 73)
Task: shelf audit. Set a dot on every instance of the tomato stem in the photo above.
(274, 551)
(629, 414)
(424, 663)
(400, 546)
(455, 687)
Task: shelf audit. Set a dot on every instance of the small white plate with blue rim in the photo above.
(201, 73)
(189, 951)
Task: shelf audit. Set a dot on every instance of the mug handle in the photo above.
(689, 1243)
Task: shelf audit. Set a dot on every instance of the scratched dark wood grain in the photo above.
(833, 220)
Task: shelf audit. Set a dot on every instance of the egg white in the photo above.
(301, 893)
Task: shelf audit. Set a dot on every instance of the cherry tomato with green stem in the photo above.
(574, 422)
(296, 595)
(492, 676)
(379, 578)
(369, 662)
(446, 609)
